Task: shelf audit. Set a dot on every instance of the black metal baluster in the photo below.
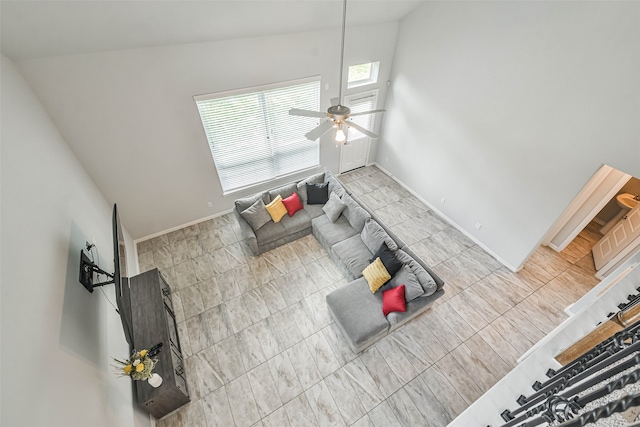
(543, 406)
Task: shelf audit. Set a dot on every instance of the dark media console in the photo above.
(153, 322)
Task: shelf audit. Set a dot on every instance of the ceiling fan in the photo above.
(337, 115)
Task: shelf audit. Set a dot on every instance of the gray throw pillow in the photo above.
(412, 287)
(426, 281)
(334, 207)
(256, 215)
(246, 202)
(373, 236)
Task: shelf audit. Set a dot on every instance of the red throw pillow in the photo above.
(292, 203)
(393, 300)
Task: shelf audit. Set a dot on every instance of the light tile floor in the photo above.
(261, 348)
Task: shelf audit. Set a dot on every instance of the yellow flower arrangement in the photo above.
(138, 366)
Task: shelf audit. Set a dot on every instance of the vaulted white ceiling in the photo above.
(32, 29)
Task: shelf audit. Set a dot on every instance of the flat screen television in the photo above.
(119, 277)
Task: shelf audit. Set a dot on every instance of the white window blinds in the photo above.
(362, 102)
(253, 138)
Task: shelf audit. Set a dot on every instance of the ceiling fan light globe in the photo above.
(340, 136)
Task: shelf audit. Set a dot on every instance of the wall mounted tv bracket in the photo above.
(87, 268)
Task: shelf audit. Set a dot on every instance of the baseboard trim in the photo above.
(169, 230)
(178, 227)
(449, 220)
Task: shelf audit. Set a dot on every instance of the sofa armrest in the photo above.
(247, 233)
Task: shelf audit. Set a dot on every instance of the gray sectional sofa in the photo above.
(351, 242)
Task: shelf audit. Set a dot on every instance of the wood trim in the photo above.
(595, 337)
(624, 178)
(584, 194)
(604, 331)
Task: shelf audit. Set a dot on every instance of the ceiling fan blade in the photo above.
(335, 101)
(361, 129)
(319, 131)
(306, 113)
(367, 112)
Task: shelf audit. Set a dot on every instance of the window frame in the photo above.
(266, 115)
(372, 79)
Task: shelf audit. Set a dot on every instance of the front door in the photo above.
(354, 154)
(623, 233)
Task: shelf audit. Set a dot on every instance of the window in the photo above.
(253, 138)
(359, 102)
(363, 74)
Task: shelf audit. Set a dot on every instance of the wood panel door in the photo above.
(623, 233)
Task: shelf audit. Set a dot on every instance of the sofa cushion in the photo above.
(376, 275)
(426, 281)
(298, 222)
(353, 254)
(302, 185)
(317, 194)
(314, 211)
(270, 232)
(334, 185)
(334, 207)
(413, 288)
(373, 235)
(256, 214)
(358, 313)
(276, 209)
(292, 203)
(387, 257)
(329, 233)
(355, 214)
(393, 300)
(284, 191)
(246, 202)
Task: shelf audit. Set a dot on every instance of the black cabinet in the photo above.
(154, 322)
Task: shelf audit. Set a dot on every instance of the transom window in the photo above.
(252, 137)
(363, 74)
(358, 103)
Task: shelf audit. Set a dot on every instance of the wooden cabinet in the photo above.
(154, 322)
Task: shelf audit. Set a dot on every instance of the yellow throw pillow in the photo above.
(276, 209)
(376, 275)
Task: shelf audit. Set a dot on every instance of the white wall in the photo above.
(130, 117)
(57, 338)
(506, 109)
